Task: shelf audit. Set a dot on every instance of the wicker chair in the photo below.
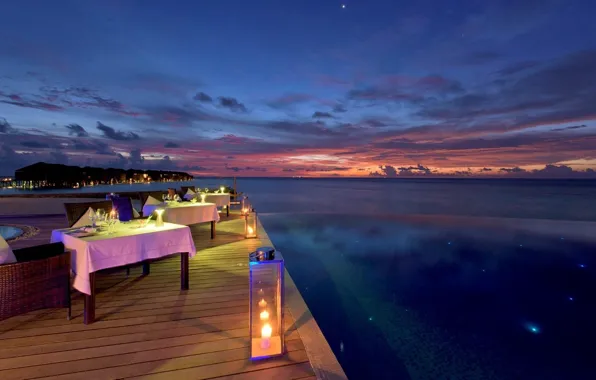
(74, 211)
(39, 279)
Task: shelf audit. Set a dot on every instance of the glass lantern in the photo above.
(250, 224)
(266, 312)
(244, 206)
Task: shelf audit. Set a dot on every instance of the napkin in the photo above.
(6, 255)
(152, 201)
(84, 220)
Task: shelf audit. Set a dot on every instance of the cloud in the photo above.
(512, 170)
(289, 100)
(34, 144)
(321, 115)
(170, 144)
(570, 128)
(232, 104)
(339, 108)
(5, 126)
(385, 171)
(33, 104)
(77, 130)
(517, 67)
(111, 133)
(237, 169)
(485, 170)
(203, 98)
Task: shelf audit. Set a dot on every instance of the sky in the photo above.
(318, 88)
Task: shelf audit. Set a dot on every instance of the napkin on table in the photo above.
(85, 219)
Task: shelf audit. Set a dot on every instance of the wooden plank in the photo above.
(302, 371)
(201, 366)
(148, 327)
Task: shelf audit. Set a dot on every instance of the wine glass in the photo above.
(101, 214)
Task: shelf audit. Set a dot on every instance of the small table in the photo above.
(187, 213)
(220, 200)
(130, 243)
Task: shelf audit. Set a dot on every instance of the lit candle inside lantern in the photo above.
(203, 195)
(266, 336)
(264, 315)
(250, 231)
(244, 211)
(262, 303)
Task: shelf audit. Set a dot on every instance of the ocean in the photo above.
(439, 278)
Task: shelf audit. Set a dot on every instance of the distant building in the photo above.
(43, 175)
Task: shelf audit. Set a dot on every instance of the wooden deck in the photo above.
(148, 328)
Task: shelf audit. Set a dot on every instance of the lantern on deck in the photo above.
(266, 303)
(250, 224)
(244, 205)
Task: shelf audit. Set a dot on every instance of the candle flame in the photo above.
(264, 315)
(250, 231)
(266, 331)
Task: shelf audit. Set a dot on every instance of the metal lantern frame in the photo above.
(251, 220)
(266, 284)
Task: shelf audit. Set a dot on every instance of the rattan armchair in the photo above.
(40, 279)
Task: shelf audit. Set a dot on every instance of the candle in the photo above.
(266, 336)
(250, 231)
(244, 211)
(264, 315)
(262, 303)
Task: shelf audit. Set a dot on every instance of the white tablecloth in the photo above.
(129, 244)
(220, 200)
(186, 213)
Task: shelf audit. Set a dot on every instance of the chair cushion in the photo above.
(6, 255)
(39, 252)
(124, 207)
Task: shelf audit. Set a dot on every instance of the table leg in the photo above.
(89, 314)
(228, 210)
(146, 268)
(213, 229)
(184, 271)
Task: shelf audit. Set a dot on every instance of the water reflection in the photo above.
(433, 299)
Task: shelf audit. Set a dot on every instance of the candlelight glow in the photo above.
(266, 336)
(262, 303)
(250, 230)
(264, 315)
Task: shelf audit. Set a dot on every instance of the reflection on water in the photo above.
(403, 299)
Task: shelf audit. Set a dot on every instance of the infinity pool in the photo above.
(10, 232)
(409, 300)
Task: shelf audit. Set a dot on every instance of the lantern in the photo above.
(244, 205)
(250, 224)
(266, 312)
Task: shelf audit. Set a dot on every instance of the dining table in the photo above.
(220, 199)
(186, 213)
(94, 249)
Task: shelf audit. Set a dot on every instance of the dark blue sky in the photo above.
(301, 88)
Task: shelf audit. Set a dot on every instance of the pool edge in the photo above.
(322, 359)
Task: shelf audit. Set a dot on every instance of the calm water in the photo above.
(549, 199)
(413, 279)
(416, 299)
